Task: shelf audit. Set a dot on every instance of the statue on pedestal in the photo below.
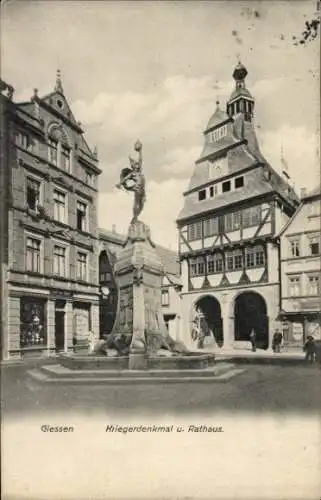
(133, 179)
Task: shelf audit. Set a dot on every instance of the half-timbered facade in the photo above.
(234, 206)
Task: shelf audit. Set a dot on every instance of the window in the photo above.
(81, 266)
(32, 322)
(197, 266)
(228, 222)
(294, 286)
(104, 277)
(53, 151)
(236, 220)
(88, 178)
(239, 182)
(33, 262)
(314, 285)
(23, 140)
(211, 191)
(202, 195)
(295, 248)
(234, 260)
(214, 263)
(194, 231)
(226, 186)
(165, 298)
(255, 256)
(217, 134)
(59, 260)
(33, 193)
(314, 245)
(210, 226)
(65, 158)
(59, 206)
(251, 216)
(81, 216)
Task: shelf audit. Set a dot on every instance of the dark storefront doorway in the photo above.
(211, 322)
(250, 312)
(60, 325)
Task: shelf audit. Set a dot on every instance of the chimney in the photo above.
(303, 193)
(113, 228)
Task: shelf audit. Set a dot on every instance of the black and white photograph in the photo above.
(160, 238)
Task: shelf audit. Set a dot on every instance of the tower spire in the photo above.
(58, 86)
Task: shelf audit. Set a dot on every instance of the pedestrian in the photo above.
(277, 341)
(310, 349)
(253, 340)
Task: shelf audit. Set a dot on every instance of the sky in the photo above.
(153, 71)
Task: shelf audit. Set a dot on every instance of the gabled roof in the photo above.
(219, 116)
(314, 193)
(59, 104)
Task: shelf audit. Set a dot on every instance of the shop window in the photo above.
(32, 323)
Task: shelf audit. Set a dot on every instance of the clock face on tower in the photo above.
(217, 168)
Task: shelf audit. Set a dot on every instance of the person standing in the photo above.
(277, 341)
(253, 340)
(310, 349)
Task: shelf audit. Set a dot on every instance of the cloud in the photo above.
(300, 150)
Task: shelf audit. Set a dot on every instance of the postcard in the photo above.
(160, 242)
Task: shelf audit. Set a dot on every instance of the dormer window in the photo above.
(59, 151)
(226, 186)
(202, 195)
(239, 182)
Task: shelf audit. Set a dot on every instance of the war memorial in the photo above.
(139, 346)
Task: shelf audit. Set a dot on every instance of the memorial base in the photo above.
(138, 361)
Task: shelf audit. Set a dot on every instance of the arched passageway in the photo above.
(208, 310)
(250, 312)
(109, 296)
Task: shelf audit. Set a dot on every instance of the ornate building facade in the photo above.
(234, 208)
(51, 228)
(300, 252)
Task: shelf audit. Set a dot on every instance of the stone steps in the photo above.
(57, 374)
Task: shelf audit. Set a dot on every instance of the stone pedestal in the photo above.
(139, 276)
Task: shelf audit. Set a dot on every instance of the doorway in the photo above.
(209, 311)
(60, 330)
(250, 312)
